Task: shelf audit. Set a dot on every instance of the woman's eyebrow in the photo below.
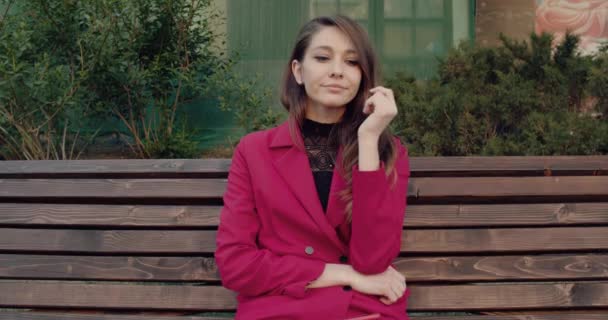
(331, 49)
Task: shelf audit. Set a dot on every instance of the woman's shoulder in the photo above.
(259, 138)
(399, 144)
(403, 161)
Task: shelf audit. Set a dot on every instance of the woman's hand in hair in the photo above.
(389, 285)
(381, 109)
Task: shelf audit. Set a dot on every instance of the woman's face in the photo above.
(329, 71)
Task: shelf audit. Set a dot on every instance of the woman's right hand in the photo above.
(390, 285)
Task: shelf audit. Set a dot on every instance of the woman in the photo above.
(314, 208)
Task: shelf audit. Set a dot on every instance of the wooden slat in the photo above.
(14, 293)
(487, 297)
(459, 189)
(508, 297)
(500, 187)
(416, 269)
(145, 184)
(169, 216)
(116, 168)
(504, 268)
(504, 240)
(150, 216)
(509, 166)
(491, 215)
(477, 241)
(563, 315)
(217, 168)
(107, 215)
(507, 190)
(112, 188)
(36, 315)
(108, 241)
(23, 315)
(17, 266)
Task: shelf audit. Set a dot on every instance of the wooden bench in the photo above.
(484, 238)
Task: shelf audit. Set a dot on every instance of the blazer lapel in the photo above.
(293, 166)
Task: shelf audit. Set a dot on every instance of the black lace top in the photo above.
(320, 156)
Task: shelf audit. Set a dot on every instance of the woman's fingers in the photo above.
(390, 297)
(372, 101)
(398, 292)
(368, 107)
(386, 91)
(394, 286)
(394, 292)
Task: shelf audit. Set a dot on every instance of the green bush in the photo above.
(134, 60)
(598, 80)
(247, 99)
(73, 64)
(521, 98)
(38, 97)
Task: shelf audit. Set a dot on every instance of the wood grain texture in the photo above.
(128, 268)
(172, 216)
(503, 240)
(23, 315)
(43, 294)
(494, 215)
(459, 189)
(112, 188)
(218, 168)
(107, 241)
(54, 315)
(416, 269)
(498, 297)
(479, 187)
(108, 215)
(446, 241)
(487, 234)
(545, 267)
(126, 168)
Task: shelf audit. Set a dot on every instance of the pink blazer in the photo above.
(274, 238)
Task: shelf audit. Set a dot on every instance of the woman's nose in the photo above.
(337, 70)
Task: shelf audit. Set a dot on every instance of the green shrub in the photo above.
(67, 65)
(598, 80)
(522, 98)
(247, 99)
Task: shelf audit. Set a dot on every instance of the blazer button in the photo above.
(343, 259)
(347, 288)
(309, 250)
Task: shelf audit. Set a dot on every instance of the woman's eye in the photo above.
(350, 62)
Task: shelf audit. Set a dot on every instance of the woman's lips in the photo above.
(335, 88)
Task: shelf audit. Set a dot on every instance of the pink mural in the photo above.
(587, 18)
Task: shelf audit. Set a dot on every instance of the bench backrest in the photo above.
(509, 236)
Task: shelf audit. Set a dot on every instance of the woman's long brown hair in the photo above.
(344, 133)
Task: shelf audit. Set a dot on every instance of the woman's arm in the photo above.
(389, 285)
(243, 267)
(378, 208)
(369, 158)
(334, 275)
(378, 205)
